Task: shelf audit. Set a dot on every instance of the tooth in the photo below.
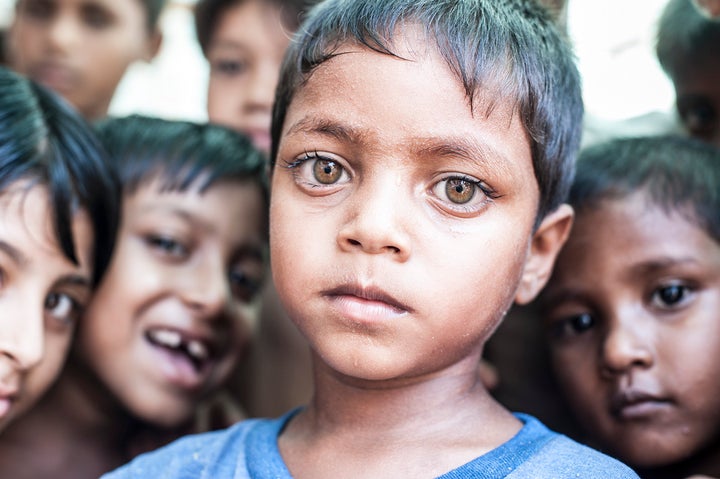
(197, 349)
(166, 337)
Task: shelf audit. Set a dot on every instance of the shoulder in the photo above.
(558, 456)
(213, 454)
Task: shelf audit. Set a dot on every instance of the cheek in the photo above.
(45, 373)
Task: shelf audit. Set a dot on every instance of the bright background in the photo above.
(613, 41)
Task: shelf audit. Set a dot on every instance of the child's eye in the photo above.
(167, 246)
(97, 17)
(698, 116)
(572, 326)
(316, 171)
(38, 9)
(463, 194)
(229, 67)
(670, 296)
(244, 287)
(61, 307)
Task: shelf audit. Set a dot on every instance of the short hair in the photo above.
(513, 46)
(153, 8)
(683, 35)
(208, 13)
(678, 174)
(180, 154)
(45, 142)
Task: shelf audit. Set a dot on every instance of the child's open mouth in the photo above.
(188, 358)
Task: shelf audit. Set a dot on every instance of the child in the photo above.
(422, 150)
(82, 49)
(688, 48)
(632, 307)
(169, 321)
(244, 42)
(59, 208)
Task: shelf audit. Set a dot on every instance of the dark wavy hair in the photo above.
(45, 142)
(678, 174)
(512, 47)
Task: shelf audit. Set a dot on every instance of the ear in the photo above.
(544, 248)
(154, 42)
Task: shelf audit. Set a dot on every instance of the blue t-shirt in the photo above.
(249, 449)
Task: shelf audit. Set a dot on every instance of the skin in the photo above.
(709, 8)
(697, 93)
(41, 296)
(633, 322)
(80, 48)
(185, 262)
(245, 52)
(395, 378)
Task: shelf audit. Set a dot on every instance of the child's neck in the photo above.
(351, 423)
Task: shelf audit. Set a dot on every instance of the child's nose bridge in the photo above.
(206, 287)
(22, 331)
(379, 216)
(628, 340)
(63, 30)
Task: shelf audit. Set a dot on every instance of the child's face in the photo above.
(245, 53)
(401, 221)
(41, 296)
(697, 89)
(634, 322)
(175, 308)
(80, 48)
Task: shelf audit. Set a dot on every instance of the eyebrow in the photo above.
(660, 264)
(329, 128)
(480, 154)
(15, 254)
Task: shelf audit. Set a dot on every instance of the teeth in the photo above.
(166, 337)
(197, 350)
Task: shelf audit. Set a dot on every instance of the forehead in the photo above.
(124, 8)
(411, 97)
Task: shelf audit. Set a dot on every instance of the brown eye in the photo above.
(459, 191)
(327, 172)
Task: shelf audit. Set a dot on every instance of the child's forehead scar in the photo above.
(481, 154)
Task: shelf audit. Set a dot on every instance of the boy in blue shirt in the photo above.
(421, 155)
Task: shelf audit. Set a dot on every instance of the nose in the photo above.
(206, 289)
(22, 336)
(377, 221)
(261, 88)
(627, 345)
(63, 33)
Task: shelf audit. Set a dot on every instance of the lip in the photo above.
(366, 304)
(54, 75)
(8, 395)
(633, 404)
(175, 363)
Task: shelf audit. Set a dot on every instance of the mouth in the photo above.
(8, 396)
(366, 303)
(633, 404)
(55, 76)
(188, 359)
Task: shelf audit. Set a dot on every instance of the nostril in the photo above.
(354, 242)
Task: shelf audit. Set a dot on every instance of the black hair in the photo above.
(209, 12)
(44, 141)
(678, 174)
(511, 46)
(180, 154)
(683, 35)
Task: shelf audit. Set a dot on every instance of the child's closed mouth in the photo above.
(634, 404)
(366, 302)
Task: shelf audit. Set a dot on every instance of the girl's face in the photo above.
(245, 53)
(80, 48)
(169, 321)
(42, 294)
(634, 323)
